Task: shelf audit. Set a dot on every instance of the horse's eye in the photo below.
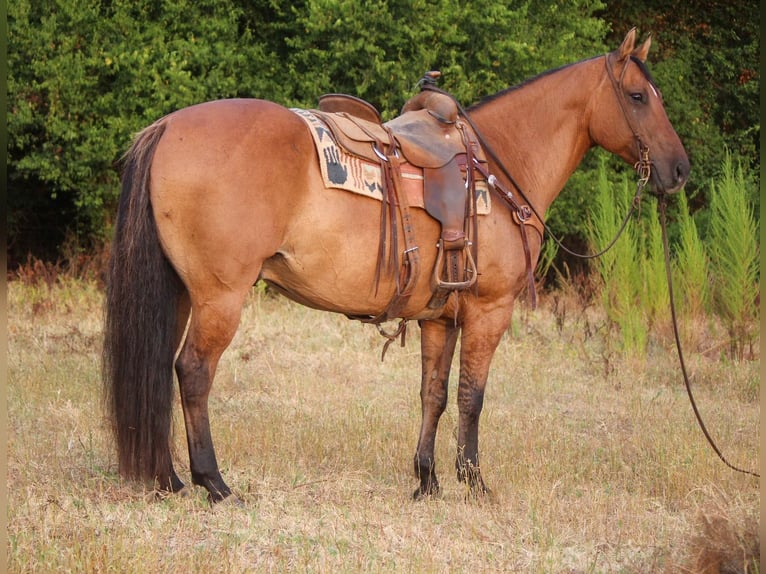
(638, 97)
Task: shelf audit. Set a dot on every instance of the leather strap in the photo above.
(406, 279)
(411, 265)
(522, 214)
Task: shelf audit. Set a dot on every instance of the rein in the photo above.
(662, 201)
(643, 168)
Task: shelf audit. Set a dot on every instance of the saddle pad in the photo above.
(341, 170)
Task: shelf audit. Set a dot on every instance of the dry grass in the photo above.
(595, 461)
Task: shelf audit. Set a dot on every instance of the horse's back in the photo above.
(226, 142)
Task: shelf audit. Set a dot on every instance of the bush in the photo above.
(720, 273)
(85, 76)
(692, 263)
(619, 268)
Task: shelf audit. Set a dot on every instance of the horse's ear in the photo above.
(643, 50)
(628, 44)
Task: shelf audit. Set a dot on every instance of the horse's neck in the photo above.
(540, 130)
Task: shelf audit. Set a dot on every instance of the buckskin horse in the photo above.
(219, 195)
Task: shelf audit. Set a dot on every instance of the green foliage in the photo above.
(620, 268)
(692, 264)
(378, 50)
(721, 273)
(734, 254)
(655, 298)
(548, 252)
(84, 76)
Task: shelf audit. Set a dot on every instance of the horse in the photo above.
(222, 194)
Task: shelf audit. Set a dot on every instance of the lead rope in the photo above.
(662, 199)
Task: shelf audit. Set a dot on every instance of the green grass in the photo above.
(593, 469)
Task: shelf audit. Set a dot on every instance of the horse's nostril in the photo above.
(682, 171)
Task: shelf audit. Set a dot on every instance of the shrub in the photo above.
(734, 256)
(620, 267)
(692, 263)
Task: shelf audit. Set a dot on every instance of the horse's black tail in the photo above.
(140, 324)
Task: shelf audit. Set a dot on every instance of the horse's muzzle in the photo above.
(673, 179)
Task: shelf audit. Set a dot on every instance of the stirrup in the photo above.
(470, 270)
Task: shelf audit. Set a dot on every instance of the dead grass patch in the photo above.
(592, 469)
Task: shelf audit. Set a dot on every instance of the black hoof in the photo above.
(425, 492)
(230, 500)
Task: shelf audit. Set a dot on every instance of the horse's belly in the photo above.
(323, 286)
(329, 285)
(333, 268)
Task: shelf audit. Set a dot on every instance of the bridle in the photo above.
(644, 165)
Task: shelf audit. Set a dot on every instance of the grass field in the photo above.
(595, 461)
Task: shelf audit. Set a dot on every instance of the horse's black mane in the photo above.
(492, 97)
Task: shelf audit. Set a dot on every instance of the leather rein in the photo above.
(643, 168)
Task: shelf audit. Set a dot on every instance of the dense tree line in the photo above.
(85, 75)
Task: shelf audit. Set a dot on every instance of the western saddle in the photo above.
(430, 135)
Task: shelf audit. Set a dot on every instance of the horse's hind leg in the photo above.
(213, 324)
(438, 341)
(183, 309)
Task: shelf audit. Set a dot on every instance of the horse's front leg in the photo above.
(438, 339)
(481, 335)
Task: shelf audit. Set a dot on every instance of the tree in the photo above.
(378, 50)
(83, 77)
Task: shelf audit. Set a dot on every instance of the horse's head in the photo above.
(629, 118)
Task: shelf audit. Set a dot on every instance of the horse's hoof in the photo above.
(229, 500)
(426, 493)
(479, 494)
